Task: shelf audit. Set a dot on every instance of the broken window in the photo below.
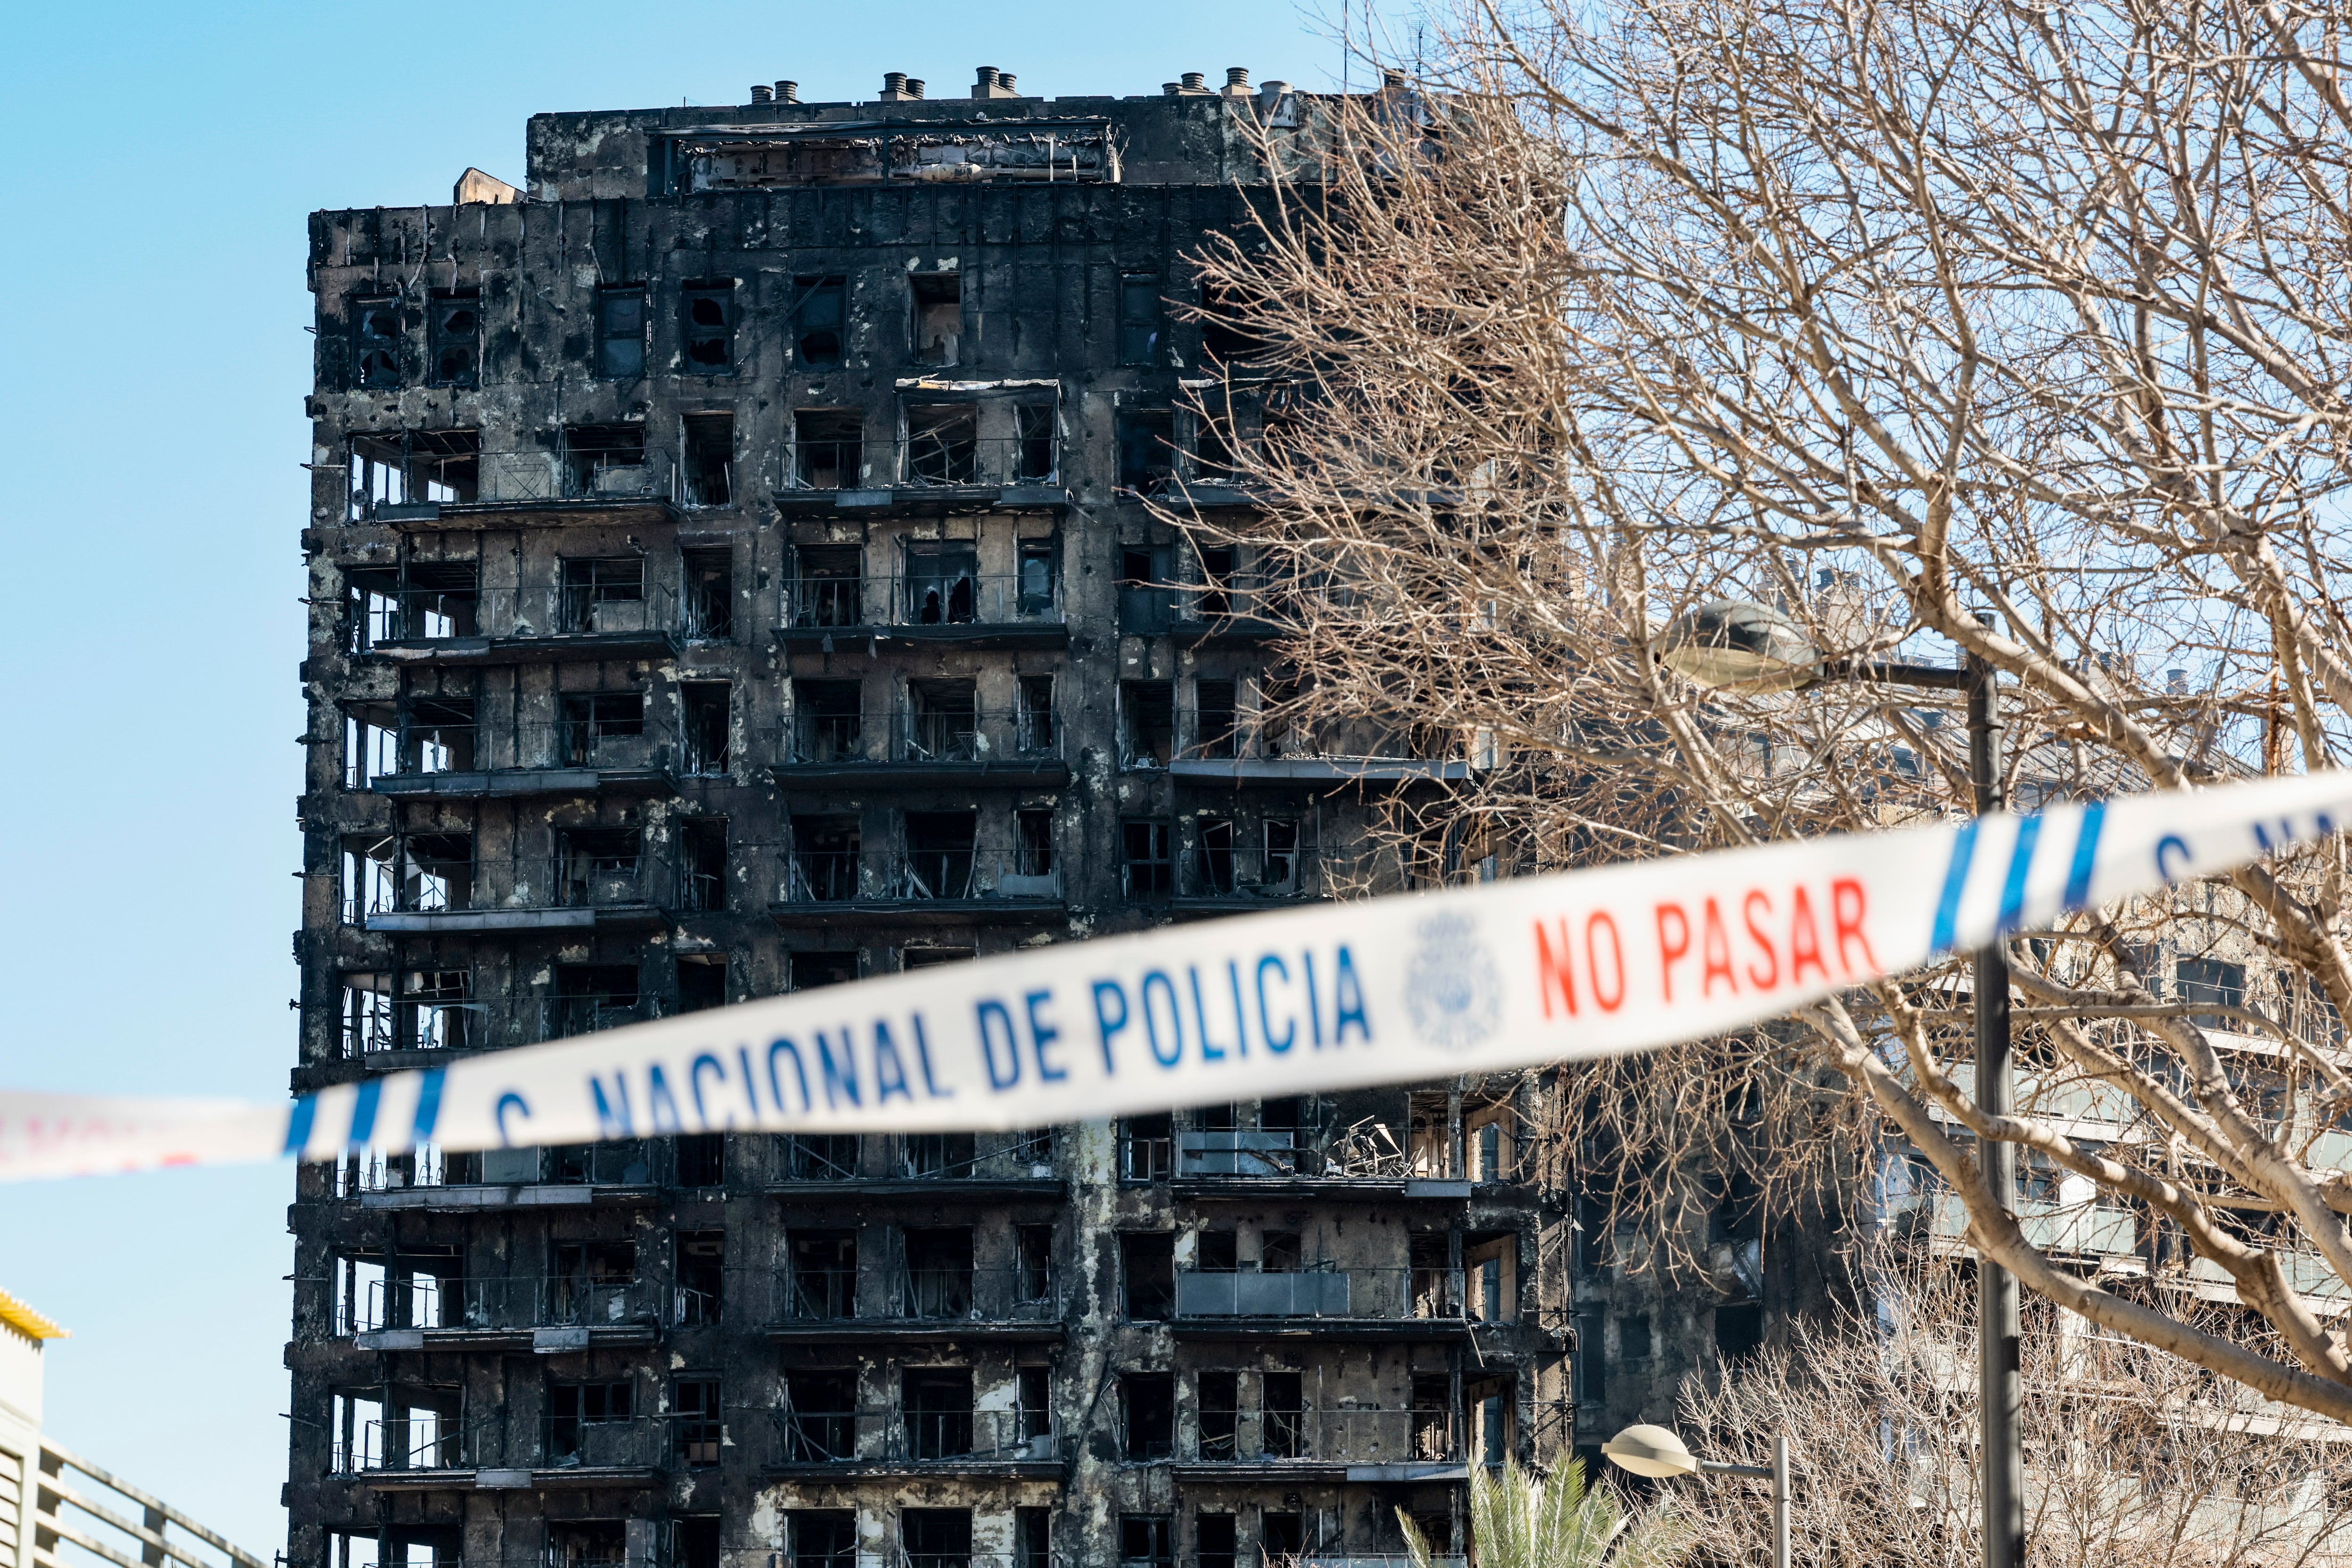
(823, 865)
(1212, 854)
(938, 1403)
(1213, 433)
(942, 721)
(437, 872)
(1492, 1402)
(1032, 844)
(942, 582)
(701, 982)
(939, 854)
(1280, 1252)
(1148, 1271)
(1038, 569)
(710, 458)
(1432, 1434)
(1227, 333)
(1282, 1415)
(937, 1154)
(938, 1280)
(1219, 1541)
(596, 1543)
(621, 332)
(1216, 1252)
(441, 599)
(936, 1537)
(407, 467)
(1147, 448)
(823, 1538)
(590, 997)
(820, 316)
(828, 449)
(1139, 318)
(822, 1269)
(599, 866)
(1145, 602)
(1147, 858)
(928, 958)
(694, 1542)
(1147, 1147)
(809, 971)
(701, 1268)
(603, 596)
(371, 880)
(1282, 853)
(939, 317)
(1147, 724)
(1035, 457)
(828, 725)
(1213, 733)
(454, 337)
(1147, 1403)
(707, 326)
(1146, 1541)
(1032, 1245)
(602, 729)
(943, 443)
(1036, 733)
(1219, 1415)
(376, 335)
(574, 1411)
(1490, 1277)
(710, 593)
(702, 852)
(694, 1400)
(438, 737)
(1487, 1131)
(820, 1416)
(830, 590)
(2211, 982)
(1216, 596)
(604, 460)
(707, 713)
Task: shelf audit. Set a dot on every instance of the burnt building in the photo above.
(748, 557)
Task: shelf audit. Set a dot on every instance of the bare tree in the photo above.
(2138, 1458)
(1992, 326)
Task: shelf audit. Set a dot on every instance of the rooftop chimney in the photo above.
(1195, 83)
(2176, 682)
(894, 87)
(1237, 81)
(914, 87)
(1004, 85)
(990, 82)
(788, 92)
(1171, 89)
(759, 93)
(1391, 80)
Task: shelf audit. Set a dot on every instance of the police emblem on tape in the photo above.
(1451, 987)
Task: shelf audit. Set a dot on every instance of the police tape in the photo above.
(1502, 974)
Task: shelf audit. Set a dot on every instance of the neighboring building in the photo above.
(732, 573)
(23, 1333)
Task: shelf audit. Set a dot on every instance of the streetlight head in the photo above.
(1650, 1451)
(1733, 645)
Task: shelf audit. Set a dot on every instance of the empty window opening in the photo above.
(1226, 333)
(1212, 437)
(695, 1402)
(621, 332)
(942, 582)
(1139, 318)
(936, 1537)
(409, 467)
(1490, 1277)
(600, 866)
(710, 593)
(701, 982)
(930, 957)
(707, 326)
(1147, 1147)
(1036, 733)
(936, 1401)
(1217, 1251)
(1280, 1252)
(603, 459)
(942, 721)
(1147, 1272)
(2212, 982)
(702, 852)
(935, 1154)
(1432, 1430)
(580, 1415)
(602, 729)
(1146, 1541)
(827, 723)
(1145, 602)
(701, 1268)
(1147, 448)
(1215, 714)
(707, 713)
(1147, 858)
(1282, 1534)
(939, 317)
(1212, 854)
(828, 449)
(709, 453)
(437, 872)
(377, 333)
(820, 1416)
(1032, 1537)
(1147, 715)
(1739, 1331)
(1032, 1245)
(1282, 1416)
(438, 735)
(1634, 1336)
(694, 1542)
(602, 593)
(1488, 1135)
(1038, 576)
(594, 1543)
(823, 1270)
(1492, 1417)
(939, 854)
(825, 858)
(820, 314)
(1219, 1415)
(1147, 1415)
(590, 996)
(371, 880)
(943, 443)
(1216, 595)
(811, 971)
(1280, 836)
(1219, 1541)
(823, 1538)
(829, 589)
(454, 337)
(1035, 456)
(1033, 844)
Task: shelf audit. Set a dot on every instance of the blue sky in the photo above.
(152, 365)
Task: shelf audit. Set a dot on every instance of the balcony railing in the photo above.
(970, 735)
(920, 598)
(635, 1443)
(955, 460)
(622, 1163)
(1353, 1293)
(1031, 1293)
(975, 1157)
(913, 1436)
(389, 474)
(1338, 1436)
(1244, 875)
(424, 1440)
(410, 615)
(829, 877)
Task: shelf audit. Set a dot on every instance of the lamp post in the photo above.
(1733, 645)
(1656, 1452)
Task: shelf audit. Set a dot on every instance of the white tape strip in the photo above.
(1396, 989)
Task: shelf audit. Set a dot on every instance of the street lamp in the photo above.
(1656, 1452)
(1735, 646)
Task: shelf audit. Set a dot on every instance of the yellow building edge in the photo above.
(20, 1316)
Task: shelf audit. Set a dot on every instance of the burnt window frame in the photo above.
(601, 365)
(805, 292)
(366, 342)
(440, 307)
(724, 291)
(1140, 333)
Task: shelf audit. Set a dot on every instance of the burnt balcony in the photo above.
(432, 479)
(944, 1305)
(1344, 1443)
(610, 615)
(548, 1313)
(602, 879)
(600, 743)
(1217, 877)
(946, 466)
(910, 749)
(1253, 1165)
(950, 602)
(1412, 1303)
(624, 1172)
(847, 1441)
(950, 887)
